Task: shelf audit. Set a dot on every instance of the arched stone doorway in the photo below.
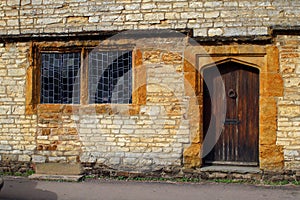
(235, 86)
(263, 58)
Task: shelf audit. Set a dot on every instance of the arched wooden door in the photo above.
(238, 142)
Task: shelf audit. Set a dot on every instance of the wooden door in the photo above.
(238, 142)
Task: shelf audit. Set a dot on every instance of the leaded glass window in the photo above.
(110, 77)
(60, 73)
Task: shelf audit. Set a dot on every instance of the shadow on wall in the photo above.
(24, 190)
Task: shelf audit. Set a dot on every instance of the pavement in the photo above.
(95, 189)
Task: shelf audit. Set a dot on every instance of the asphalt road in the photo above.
(23, 189)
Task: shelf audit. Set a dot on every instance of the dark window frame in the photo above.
(84, 71)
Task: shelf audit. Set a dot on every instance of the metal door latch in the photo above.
(231, 122)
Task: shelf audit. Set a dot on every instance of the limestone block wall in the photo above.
(288, 134)
(17, 130)
(148, 135)
(149, 139)
(206, 18)
(162, 123)
(57, 137)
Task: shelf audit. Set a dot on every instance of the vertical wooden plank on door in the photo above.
(213, 101)
(248, 113)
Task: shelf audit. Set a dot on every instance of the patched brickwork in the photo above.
(57, 137)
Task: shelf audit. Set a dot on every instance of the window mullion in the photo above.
(84, 77)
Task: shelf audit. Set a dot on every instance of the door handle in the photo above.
(232, 93)
(231, 122)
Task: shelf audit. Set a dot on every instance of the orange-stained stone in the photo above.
(271, 157)
(268, 110)
(267, 134)
(188, 67)
(69, 109)
(29, 92)
(195, 135)
(103, 109)
(273, 84)
(134, 110)
(138, 58)
(272, 59)
(171, 58)
(190, 83)
(46, 131)
(50, 108)
(191, 156)
(77, 20)
(152, 56)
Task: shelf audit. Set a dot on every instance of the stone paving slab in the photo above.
(68, 178)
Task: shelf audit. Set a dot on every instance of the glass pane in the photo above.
(60, 73)
(110, 77)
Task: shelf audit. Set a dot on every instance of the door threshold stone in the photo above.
(231, 169)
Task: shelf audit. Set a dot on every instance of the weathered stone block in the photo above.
(38, 159)
(215, 31)
(213, 4)
(13, 3)
(94, 19)
(58, 169)
(257, 30)
(180, 4)
(134, 17)
(191, 156)
(172, 58)
(49, 20)
(152, 56)
(16, 72)
(200, 32)
(77, 19)
(147, 6)
(271, 157)
(5, 110)
(5, 147)
(238, 31)
(273, 59)
(289, 111)
(24, 158)
(211, 14)
(154, 16)
(57, 159)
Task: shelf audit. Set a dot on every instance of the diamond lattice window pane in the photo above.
(110, 77)
(60, 74)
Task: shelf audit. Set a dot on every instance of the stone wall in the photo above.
(17, 130)
(163, 126)
(206, 18)
(289, 105)
(148, 135)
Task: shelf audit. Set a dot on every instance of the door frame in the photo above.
(218, 65)
(266, 59)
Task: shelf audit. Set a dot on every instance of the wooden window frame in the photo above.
(33, 76)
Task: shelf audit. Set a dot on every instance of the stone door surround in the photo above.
(266, 59)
